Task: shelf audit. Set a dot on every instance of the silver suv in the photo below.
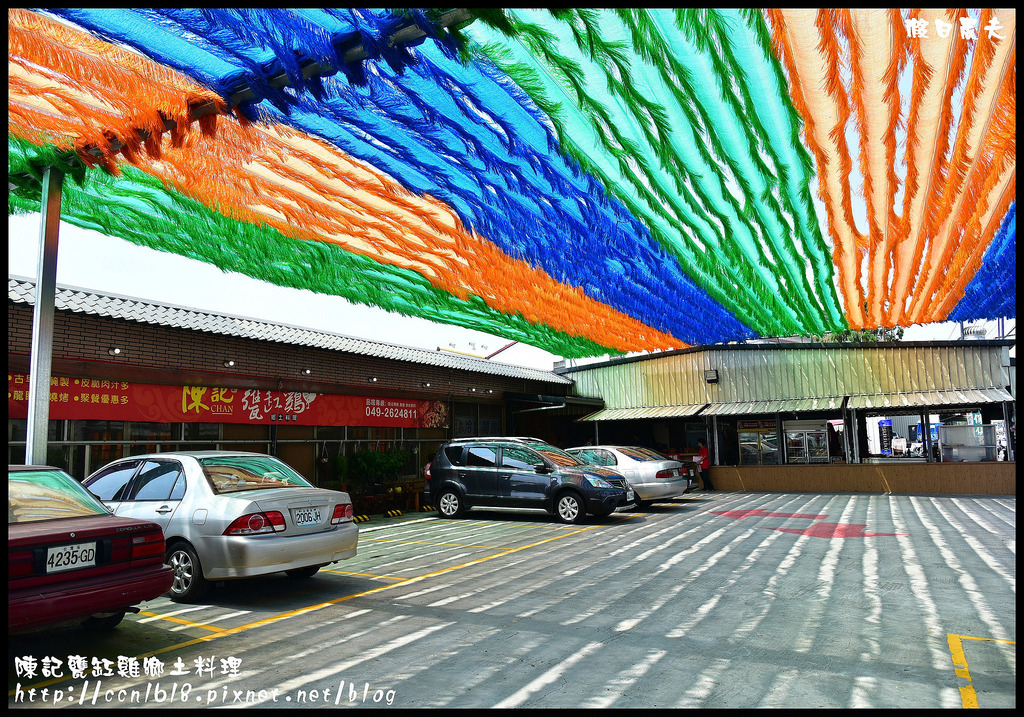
(522, 473)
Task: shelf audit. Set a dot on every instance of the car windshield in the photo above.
(556, 455)
(231, 474)
(48, 495)
(642, 454)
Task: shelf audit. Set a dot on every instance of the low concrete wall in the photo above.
(997, 478)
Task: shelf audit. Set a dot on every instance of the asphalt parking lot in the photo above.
(719, 600)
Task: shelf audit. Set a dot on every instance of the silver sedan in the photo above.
(230, 515)
(652, 475)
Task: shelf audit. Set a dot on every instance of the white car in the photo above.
(229, 515)
(652, 475)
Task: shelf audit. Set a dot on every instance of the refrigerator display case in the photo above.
(968, 443)
(807, 446)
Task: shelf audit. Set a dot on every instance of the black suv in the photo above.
(521, 473)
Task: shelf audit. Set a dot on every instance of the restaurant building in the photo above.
(131, 376)
(768, 408)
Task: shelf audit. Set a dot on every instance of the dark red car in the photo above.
(69, 560)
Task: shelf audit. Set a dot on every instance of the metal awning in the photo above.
(626, 414)
(789, 405)
(951, 397)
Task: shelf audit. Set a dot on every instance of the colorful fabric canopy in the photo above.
(585, 181)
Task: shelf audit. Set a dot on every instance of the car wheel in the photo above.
(189, 584)
(450, 505)
(569, 508)
(302, 573)
(641, 504)
(103, 621)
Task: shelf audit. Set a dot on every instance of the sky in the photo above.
(90, 260)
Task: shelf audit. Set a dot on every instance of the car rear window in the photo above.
(642, 454)
(454, 455)
(48, 495)
(233, 474)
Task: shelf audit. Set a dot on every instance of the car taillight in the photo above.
(668, 473)
(342, 513)
(19, 563)
(147, 546)
(256, 524)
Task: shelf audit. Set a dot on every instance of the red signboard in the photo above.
(102, 399)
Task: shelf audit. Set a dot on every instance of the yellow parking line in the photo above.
(968, 697)
(427, 542)
(223, 632)
(363, 575)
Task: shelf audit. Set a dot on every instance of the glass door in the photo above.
(758, 448)
(817, 447)
(750, 449)
(769, 448)
(796, 448)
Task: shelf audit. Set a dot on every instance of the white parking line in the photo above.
(216, 619)
(175, 613)
(520, 696)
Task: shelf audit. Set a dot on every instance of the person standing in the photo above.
(704, 464)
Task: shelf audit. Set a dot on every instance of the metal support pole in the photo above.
(714, 432)
(42, 321)
(926, 442)
(1010, 448)
(855, 436)
(780, 444)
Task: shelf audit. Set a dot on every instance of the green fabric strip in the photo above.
(137, 207)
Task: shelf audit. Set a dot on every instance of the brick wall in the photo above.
(159, 354)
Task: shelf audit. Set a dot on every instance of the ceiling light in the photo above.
(229, 363)
(425, 384)
(306, 371)
(114, 351)
(372, 379)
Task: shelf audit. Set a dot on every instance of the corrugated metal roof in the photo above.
(793, 373)
(828, 403)
(625, 414)
(68, 298)
(967, 396)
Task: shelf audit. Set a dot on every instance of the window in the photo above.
(151, 431)
(202, 431)
(481, 457)
(519, 458)
(231, 474)
(454, 455)
(47, 495)
(490, 420)
(640, 454)
(157, 481)
(97, 430)
(111, 484)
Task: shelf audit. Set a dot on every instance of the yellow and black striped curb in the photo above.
(392, 514)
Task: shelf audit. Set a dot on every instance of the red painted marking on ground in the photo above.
(834, 530)
(761, 513)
